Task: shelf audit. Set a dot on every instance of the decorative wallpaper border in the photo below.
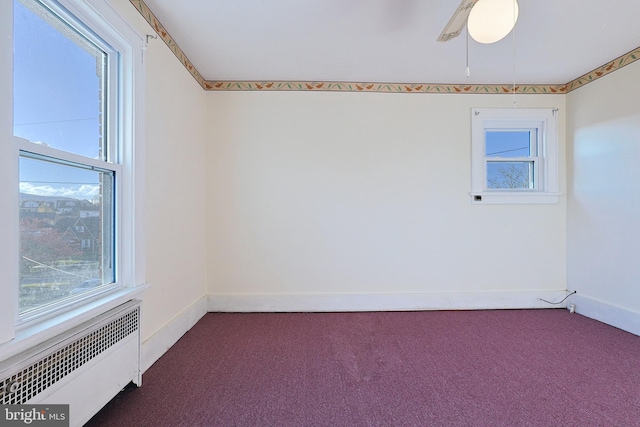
(255, 85)
(379, 87)
(607, 68)
(148, 15)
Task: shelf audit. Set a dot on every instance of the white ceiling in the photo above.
(394, 41)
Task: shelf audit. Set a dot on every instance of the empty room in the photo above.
(319, 213)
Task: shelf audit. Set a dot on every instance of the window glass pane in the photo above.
(65, 213)
(510, 175)
(58, 83)
(512, 143)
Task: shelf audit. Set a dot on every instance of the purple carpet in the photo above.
(438, 368)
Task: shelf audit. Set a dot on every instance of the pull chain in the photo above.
(515, 102)
(468, 69)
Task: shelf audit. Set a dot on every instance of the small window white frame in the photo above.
(545, 160)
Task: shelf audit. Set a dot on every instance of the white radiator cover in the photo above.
(84, 367)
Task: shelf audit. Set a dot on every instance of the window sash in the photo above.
(512, 177)
(536, 130)
(535, 177)
(106, 265)
(70, 26)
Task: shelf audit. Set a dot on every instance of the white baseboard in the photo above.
(613, 315)
(157, 345)
(383, 302)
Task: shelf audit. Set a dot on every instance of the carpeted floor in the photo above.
(438, 368)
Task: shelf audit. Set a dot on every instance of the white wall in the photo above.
(603, 217)
(175, 185)
(327, 194)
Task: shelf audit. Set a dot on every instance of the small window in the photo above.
(514, 156)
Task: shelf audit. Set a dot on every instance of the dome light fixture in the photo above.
(491, 20)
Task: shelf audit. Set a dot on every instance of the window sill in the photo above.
(37, 332)
(514, 198)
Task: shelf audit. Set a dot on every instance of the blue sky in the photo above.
(56, 102)
(508, 144)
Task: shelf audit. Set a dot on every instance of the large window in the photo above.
(514, 156)
(72, 205)
(62, 80)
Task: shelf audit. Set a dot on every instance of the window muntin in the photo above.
(67, 166)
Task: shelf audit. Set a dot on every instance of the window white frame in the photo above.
(535, 178)
(103, 20)
(543, 126)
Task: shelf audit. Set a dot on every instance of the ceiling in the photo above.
(394, 40)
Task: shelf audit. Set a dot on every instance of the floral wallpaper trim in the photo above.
(215, 85)
(607, 68)
(146, 13)
(379, 87)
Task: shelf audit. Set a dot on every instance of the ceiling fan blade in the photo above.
(457, 21)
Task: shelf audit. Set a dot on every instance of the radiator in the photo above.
(84, 367)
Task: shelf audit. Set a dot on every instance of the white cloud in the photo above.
(79, 191)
